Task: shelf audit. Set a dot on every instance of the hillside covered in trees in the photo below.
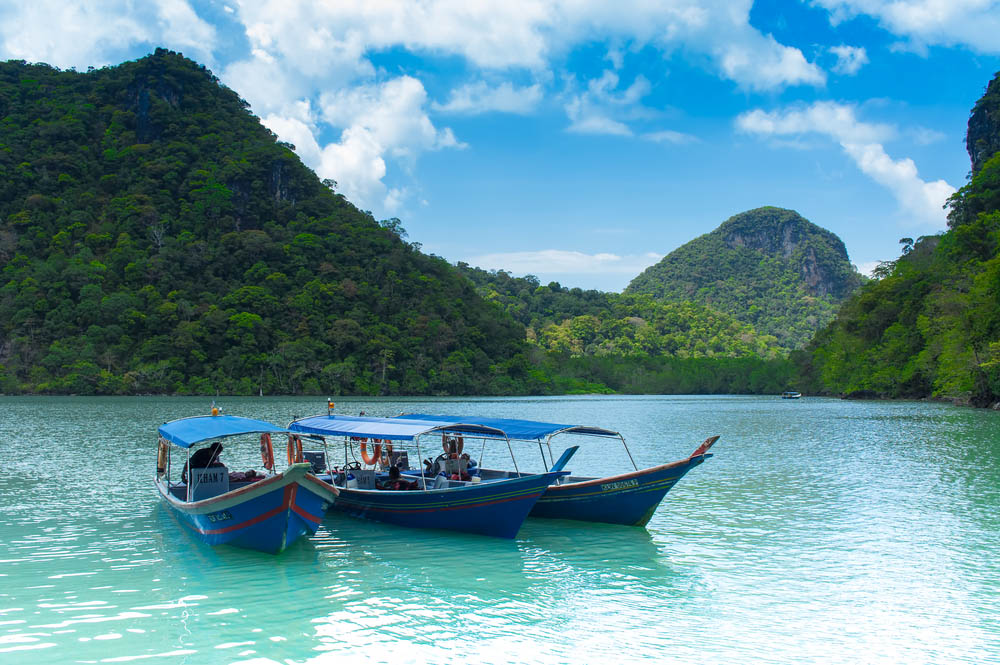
(769, 268)
(593, 341)
(155, 237)
(595, 323)
(930, 324)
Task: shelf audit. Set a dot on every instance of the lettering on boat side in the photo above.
(220, 517)
(620, 485)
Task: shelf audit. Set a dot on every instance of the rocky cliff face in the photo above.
(769, 267)
(785, 234)
(983, 137)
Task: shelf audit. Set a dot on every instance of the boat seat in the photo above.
(317, 458)
(440, 482)
(208, 482)
(365, 478)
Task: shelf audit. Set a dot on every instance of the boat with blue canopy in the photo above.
(260, 511)
(377, 482)
(628, 498)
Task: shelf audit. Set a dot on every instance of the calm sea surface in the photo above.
(821, 532)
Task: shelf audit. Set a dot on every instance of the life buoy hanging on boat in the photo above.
(161, 457)
(294, 449)
(266, 452)
(376, 453)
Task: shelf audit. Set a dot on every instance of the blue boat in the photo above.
(443, 495)
(628, 498)
(266, 512)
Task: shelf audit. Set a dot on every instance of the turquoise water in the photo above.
(821, 531)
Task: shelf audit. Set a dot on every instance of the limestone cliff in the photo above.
(769, 267)
(983, 137)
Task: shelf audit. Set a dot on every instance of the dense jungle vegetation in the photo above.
(930, 324)
(595, 323)
(769, 268)
(156, 238)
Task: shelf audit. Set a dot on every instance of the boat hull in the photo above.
(491, 509)
(267, 516)
(630, 498)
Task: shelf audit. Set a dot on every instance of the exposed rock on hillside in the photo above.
(769, 267)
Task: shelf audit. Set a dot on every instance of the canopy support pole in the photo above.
(628, 451)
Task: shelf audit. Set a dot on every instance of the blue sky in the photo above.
(577, 140)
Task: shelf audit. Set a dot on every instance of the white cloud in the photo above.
(866, 267)
(90, 32)
(921, 201)
(759, 62)
(670, 136)
(971, 23)
(926, 136)
(382, 119)
(480, 97)
(850, 59)
(600, 109)
(565, 262)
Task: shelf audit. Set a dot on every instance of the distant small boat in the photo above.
(266, 513)
(791, 394)
(628, 498)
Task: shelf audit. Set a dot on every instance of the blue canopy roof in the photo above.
(370, 427)
(511, 427)
(186, 432)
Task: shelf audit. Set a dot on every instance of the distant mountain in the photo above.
(929, 325)
(768, 267)
(156, 238)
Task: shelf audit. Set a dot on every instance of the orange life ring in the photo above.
(376, 453)
(266, 452)
(294, 449)
(459, 444)
(161, 458)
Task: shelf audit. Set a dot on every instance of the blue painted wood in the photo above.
(267, 516)
(629, 498)
(492, 508)
(564, 458)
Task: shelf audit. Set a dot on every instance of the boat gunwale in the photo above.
(297, 473)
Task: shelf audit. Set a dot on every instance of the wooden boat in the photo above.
(791, 394)
(628, 498)
(431, 499)
(267, 512)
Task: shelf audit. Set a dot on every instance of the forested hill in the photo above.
(155, 237)
(581, 323)
(930, 325)
(767, 267)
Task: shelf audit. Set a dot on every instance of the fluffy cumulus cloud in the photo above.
(601, 108)
(93, 32)
(919, 200)
(552, 261)
(378, 120)
(971, 23)
(481, 97)
(850, 59)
